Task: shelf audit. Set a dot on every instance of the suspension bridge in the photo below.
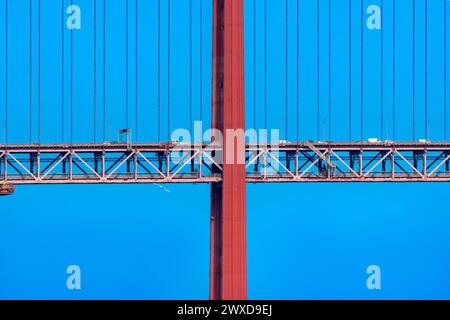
(134, 161)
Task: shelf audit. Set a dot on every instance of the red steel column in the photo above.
(228, 267)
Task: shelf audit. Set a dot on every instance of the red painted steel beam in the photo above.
(228, 269)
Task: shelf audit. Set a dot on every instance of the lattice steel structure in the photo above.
(197, 163)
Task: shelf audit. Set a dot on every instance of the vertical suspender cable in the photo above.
(168, 70)
(329, 70)
(426, 69)
(318, 68)
(6, 72)
(95, 71)
(136, 74)
(104, 70)
(287, 72)
(39, 71)
(350, 70)
(254, 64)
(414, 72)
(159, 70)
(30, 115)
(362, 72)
(445, 70)
(393, 70)
(382, 72)
(265, 64)
(71, 83)
(201, 60)
(190, 67)
(63, 28)
(298, 72)
(126, 65)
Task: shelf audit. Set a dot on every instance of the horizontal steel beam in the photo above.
(160, 163)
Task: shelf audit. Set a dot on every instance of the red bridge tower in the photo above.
(228, 269)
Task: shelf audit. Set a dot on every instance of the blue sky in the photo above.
(304, 241)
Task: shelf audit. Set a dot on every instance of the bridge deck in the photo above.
(198, 163)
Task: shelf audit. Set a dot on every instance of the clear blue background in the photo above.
(304, 240)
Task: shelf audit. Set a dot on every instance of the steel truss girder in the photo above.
(196, 163)
(350, 162)
(106, 163)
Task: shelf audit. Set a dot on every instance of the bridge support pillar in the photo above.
(228, 267)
